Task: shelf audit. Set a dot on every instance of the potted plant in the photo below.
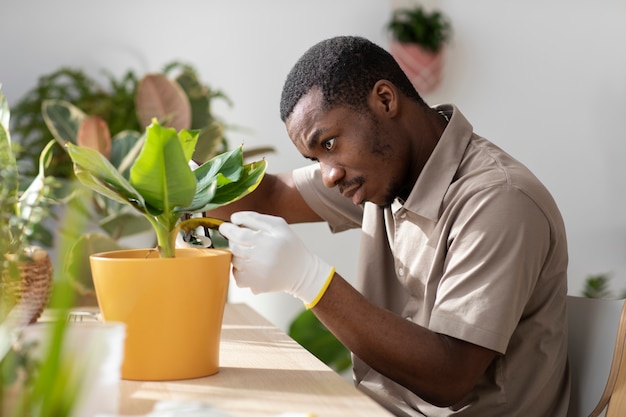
(74, 108)
(417, 43)
(170, 299)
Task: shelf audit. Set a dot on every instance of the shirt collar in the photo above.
(433, 182)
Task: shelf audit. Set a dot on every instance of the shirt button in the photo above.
(403, 215)
(401, 272)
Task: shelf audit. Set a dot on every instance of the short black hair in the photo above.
(345, 69)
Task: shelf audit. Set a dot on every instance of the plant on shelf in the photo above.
(597, 286)
(417, 43)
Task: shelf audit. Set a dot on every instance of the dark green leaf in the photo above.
(250, 178)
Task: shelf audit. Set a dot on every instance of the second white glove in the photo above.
(269, 257)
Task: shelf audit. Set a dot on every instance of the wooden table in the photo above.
(263, 373)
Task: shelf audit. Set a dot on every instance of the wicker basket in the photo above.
(32, 292)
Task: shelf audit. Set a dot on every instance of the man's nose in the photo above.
(331, 174)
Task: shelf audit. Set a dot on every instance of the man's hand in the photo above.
(269, 257)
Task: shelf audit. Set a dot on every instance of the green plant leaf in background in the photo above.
(125, 146)
(7, 158)
(63, 119)
(308, 331)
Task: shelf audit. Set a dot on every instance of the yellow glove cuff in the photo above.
(319, 295)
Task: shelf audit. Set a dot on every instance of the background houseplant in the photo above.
(25, 268)
(118, 104)
(417, 43)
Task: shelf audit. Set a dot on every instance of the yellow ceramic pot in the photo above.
(172, 308)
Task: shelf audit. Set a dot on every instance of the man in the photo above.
(460, 308)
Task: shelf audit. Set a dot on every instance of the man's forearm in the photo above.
(438, 368)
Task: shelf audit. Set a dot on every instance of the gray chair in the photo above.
(597, 334)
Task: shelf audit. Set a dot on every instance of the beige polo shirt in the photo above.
(478, 252)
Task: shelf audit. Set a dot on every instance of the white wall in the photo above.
(546, 80)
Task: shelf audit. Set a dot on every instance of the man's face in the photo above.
(354, 149)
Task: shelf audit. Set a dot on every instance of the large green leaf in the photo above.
(250, 179)
(63, 120)
(161, 172)
(226, 167)
(97, 173)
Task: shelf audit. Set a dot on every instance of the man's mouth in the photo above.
(355, 193)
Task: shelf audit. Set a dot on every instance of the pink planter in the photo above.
(423, 68)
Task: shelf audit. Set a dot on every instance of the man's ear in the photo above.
(384, 98)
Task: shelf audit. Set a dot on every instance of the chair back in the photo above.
(596, 335)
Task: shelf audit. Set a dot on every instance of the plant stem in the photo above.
(166, 238)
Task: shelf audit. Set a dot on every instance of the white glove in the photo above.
(269, 257)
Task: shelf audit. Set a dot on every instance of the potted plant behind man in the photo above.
(25, 267)
(171, 299)
(417, 43)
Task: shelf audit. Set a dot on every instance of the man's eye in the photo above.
(329, 144)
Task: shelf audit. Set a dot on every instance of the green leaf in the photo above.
(161, 172)
(10, 179)
(36, 191)
(308, 331)
(96, 172)
(189, 139)
(122, 145)
(77, 267)
(63, 120)
(225, 168)
(250, 179)
(5, 113)
(198, 99)
(124, 223)
(210, 142)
